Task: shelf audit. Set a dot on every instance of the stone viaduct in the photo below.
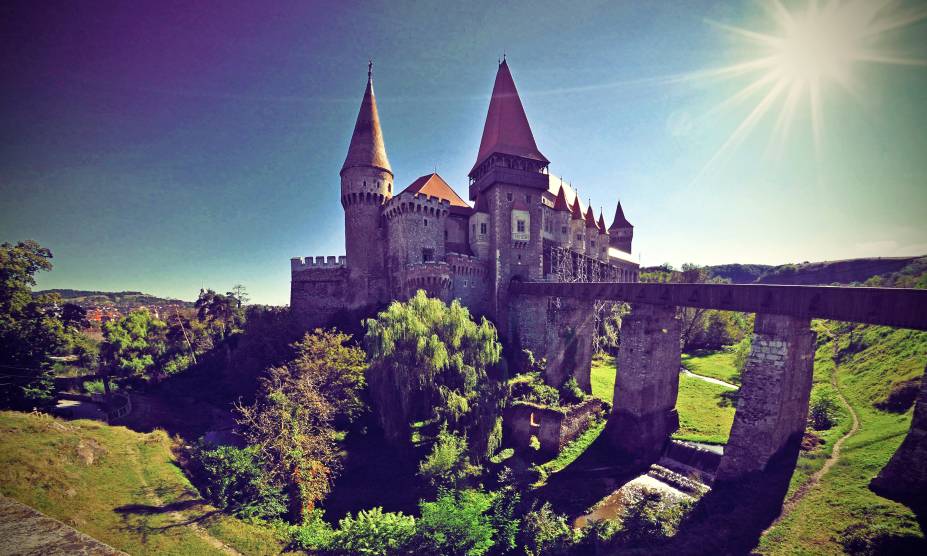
(772, 407)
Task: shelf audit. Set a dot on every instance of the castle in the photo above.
(523, 224)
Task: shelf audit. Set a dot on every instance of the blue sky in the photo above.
(165, 148)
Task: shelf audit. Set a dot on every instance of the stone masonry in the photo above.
(772, 409)
(644, 415)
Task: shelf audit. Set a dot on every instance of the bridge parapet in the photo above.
(898, 307)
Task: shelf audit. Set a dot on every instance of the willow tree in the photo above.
(432, 361)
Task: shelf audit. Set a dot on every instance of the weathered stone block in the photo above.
(772, 408)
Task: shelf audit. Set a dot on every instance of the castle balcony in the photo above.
(298, 264)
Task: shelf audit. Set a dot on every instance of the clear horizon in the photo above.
(165, 149)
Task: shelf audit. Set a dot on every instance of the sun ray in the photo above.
(814, 46)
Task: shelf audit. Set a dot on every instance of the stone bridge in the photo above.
(772, 407)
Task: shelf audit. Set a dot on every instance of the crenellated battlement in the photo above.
(298, 263)
(416, 204)
(466, 265)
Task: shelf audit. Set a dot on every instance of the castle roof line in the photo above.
(506, 130)
(367, 147)
(433, 185)
(620, 221)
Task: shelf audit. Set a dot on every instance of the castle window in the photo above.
(508, 196)
(389, 187)
(483, 228)
(426, 222)
(445, 235)
(563, 230)
(528, 199)
(473, 229)
(428, 255)
(520, 227)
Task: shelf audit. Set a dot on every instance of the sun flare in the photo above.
(812, 47)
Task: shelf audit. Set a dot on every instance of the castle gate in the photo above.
(772, 407)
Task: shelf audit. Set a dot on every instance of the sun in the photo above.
(811, 47)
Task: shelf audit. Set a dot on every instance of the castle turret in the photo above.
(366, 184)
(621, 232)
(562, 216)
(510, 177)
(603, 237)
(577, 226)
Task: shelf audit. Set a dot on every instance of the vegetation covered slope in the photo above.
(116, 485)
(875, 367)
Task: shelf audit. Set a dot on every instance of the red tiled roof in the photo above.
(560, 203)
(620, 221)
(434, 185)
(367, 148)
(506, 129)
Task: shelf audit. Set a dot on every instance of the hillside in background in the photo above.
(127, 299)
(873, 271)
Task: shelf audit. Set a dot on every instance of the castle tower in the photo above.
(366, 184)
(562, 216)
(509, 177)
(603, 237)
(577, 226)
(621, 232)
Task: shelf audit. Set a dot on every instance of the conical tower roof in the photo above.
(576, 210)
(620, 221)
(367, 148)
(601, 222)
(506, 130)
(590, 217)
(560, 202)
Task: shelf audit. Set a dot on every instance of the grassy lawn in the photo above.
(716, 364)
(116, 485)
(881, 358)
(704, 415)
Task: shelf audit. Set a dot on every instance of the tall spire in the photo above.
(560, 202)
(601, 222)
(620, 221)
(590, 216)
(506, 130)
(575, 209)
(367, 148)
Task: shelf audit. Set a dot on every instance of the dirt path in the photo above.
(803, 490)
(180, 519)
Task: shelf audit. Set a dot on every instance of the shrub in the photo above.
(530, 387)
(314, 534)
(447, 465)
(865, 539)
(456, 524)
(650, 518)
(374, 532)
(534, 443)
(544, 532)
(234, 479)
(901, 397)
(570, 392)
(824, 409)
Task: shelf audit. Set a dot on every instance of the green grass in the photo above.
(113, 484)
(704, 415)
(603, 377)
(575, 448)
(872, 360)
(715, 364)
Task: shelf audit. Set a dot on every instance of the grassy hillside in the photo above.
(714, 364)
(116, 485)
(119, 299)
(874, 368)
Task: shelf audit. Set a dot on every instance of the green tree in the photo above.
(374, 532)
(447, 465)
(29, 330)
(431, 361)
(292, 420)
(74, 316)
(132, 345)
(222, 312)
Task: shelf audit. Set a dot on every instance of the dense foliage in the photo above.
(29, 330)
(447, 465)
(291, 423)
(235, 479)
(431, 361)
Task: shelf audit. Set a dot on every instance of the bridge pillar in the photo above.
(644, 415)
(904, 477)
(562, 335)
(772, 407)
(569, 349)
